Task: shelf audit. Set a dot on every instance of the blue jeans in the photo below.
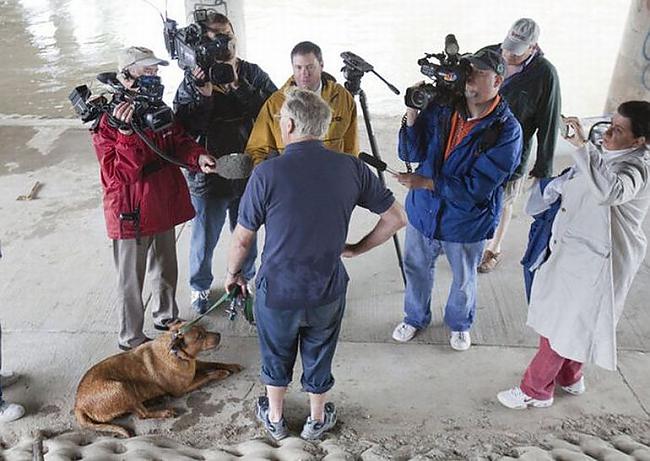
(206, 229)
(281, 331)
(420, 256)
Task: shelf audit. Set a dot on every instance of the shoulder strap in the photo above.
(490, 135)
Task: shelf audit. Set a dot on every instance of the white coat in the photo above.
(597, 245)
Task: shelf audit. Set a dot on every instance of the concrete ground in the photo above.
(395, 401)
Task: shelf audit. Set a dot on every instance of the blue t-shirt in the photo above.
(305, 198)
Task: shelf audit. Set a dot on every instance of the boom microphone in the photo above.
(375, 162)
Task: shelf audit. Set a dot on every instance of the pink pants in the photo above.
(546, 369)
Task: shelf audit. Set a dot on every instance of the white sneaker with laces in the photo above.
(460, 340)
(7, 378)
(516, 399)
(576, 388)
(11, 412)
(404, 332)
(200, 300)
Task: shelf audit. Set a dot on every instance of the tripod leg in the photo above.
(398, 251)
(375, 152)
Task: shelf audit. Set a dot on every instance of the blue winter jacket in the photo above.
(465, 204)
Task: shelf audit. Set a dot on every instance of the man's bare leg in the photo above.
(276, 402)
(317, 405)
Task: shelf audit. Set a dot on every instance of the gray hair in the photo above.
(308, 110)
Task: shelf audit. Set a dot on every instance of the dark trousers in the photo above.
(313, 330)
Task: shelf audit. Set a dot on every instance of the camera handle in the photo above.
(354, 68)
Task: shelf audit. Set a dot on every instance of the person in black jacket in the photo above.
(532, 89)
(221, 117)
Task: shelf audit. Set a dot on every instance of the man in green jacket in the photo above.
(532, 90)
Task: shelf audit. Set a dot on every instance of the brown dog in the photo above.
(167, 365)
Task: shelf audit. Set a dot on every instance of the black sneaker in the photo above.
(277, 431)
(165, 326)
(314, 430)
(128, 348)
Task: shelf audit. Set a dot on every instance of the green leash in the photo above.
(236, 301)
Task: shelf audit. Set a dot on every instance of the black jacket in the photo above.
(222, 123)
(534, 97)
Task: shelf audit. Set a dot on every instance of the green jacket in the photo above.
(534, 97)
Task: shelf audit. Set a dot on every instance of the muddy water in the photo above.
(50, 46)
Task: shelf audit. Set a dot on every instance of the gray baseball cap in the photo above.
(488, 59)
(138, 55)
(523, 33)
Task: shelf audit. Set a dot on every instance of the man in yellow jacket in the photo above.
(307, 62)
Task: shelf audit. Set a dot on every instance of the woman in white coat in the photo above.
(595, 249)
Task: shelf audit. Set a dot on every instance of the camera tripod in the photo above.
(354, 68)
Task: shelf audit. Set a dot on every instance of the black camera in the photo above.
(150, 112)
(191, 47)
(449, 77)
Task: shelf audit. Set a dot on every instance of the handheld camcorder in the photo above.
(150, 112)
(192, 47)
(449, 77)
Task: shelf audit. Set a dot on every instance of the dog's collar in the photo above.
(176, 347)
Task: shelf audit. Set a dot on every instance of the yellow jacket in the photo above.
(341, 135)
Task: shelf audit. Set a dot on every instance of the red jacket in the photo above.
(135, 178)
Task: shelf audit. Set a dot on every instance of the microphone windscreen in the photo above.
(372, 161)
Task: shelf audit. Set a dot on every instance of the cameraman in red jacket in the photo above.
(145, 196)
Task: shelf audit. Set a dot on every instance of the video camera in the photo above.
(192, 47)
(147, 97)
(449, 78)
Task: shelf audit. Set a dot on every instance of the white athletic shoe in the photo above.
(576, 388)
(11, 412)
(404, 332)
(516, 399)
(460, 340)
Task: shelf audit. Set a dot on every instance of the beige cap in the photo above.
(522, 34)
(138, 55)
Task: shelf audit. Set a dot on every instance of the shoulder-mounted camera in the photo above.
(192, 47)
(150, 112)
(449, 76)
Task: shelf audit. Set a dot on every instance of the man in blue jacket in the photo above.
(465, 155)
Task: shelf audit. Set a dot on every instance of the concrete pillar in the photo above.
(234, 9)
(631, 78)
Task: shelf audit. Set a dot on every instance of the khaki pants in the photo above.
(155, 254)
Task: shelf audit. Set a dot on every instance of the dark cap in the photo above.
(488, 59)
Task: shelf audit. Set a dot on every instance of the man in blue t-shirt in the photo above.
(304, 198)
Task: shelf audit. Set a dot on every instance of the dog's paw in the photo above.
(234, 368)
(219, 374)
(167, 413)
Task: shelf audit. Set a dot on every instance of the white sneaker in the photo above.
(516, 399)
(11, 412)
(460, 340)
(576, 388)
(404, 332)
(200, 301)
(7, 378)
